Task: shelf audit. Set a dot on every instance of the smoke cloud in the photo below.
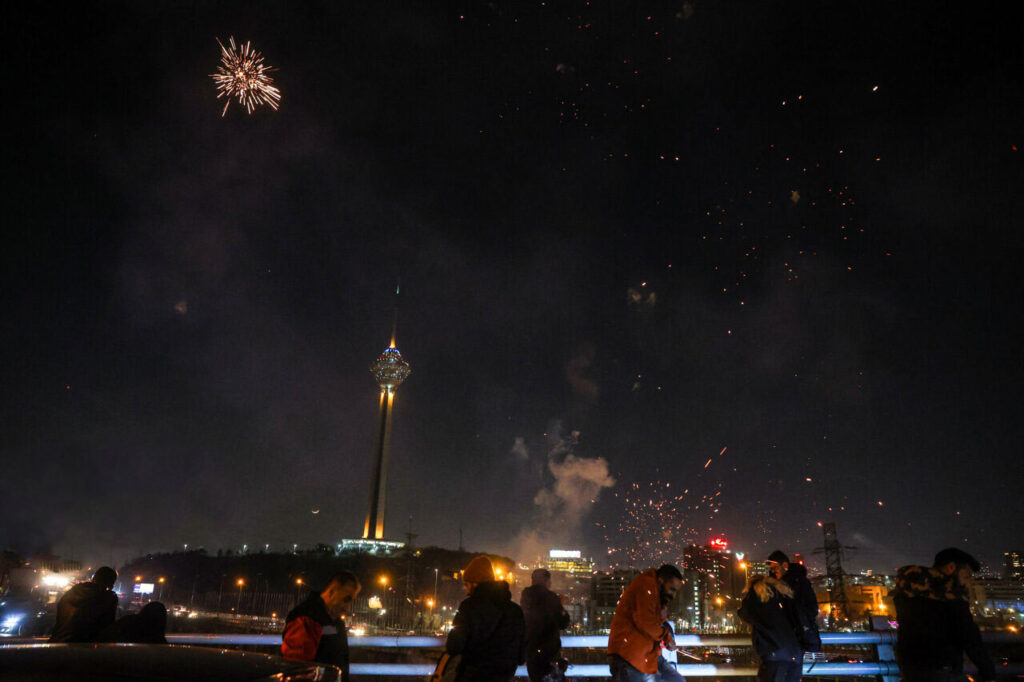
(560, 507)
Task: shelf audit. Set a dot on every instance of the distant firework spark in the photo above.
(658, 520)
(242, 74)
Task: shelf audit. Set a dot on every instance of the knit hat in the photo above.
(778, 557)
(479, 570)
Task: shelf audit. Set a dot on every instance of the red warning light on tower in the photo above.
(719, 543)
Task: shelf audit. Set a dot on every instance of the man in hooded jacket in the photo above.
(86, 608)
(795, 575)
(488, 631)
(936, 628)
(774, 619)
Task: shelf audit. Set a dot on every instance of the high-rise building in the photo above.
(722, 575)
(1013, 566)
(390, 370)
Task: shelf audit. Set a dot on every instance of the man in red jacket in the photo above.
(314, 630)
(638, 630)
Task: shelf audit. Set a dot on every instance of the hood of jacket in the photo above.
(767, 587)
(928, 583)
(797, 571)
(493, 590)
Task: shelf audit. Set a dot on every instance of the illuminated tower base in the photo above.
(374, 527)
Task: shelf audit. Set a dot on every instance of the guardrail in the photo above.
(883, 668)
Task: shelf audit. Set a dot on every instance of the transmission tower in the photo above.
(834, 572)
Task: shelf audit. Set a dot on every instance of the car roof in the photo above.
(153, 662)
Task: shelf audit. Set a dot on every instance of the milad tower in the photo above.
(390, 370)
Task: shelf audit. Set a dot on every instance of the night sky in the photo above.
(629, 235)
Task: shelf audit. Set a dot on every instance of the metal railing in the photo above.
(883, 668)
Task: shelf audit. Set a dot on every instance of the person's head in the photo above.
(341, 591)
(542, 577)
(953, 560)
(477, 571)
(669, 581)
(778, 563)
(105, 577)
(153, 618)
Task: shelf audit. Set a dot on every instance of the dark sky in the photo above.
(628, 235)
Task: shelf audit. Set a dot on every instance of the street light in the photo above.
(383, 580)
(238, 604)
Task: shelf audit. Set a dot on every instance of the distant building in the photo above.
(1013, 566)
(571, 578)
(606, 588)
(990, 597)
(367, 546)
(866, 595)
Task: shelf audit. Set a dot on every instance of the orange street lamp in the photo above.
(383, 580)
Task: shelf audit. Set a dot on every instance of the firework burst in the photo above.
(243, 75)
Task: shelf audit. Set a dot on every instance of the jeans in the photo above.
(667, 672)
(622, 671)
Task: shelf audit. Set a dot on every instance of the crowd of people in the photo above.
(492, 636)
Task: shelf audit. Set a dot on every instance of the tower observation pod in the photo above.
(390, 370)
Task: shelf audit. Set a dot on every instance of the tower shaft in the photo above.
(374, 527)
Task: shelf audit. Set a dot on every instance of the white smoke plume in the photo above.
(562, 505)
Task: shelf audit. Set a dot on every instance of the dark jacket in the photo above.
(769, 608)
(145, 627)
(490, 633)
(806, 603)
(82, 612)
(310, 634)
(544, 618)
(935, 623)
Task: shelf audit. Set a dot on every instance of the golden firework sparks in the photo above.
(243, 74)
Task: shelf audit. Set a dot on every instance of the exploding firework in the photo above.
(658, 521)
(243, 74)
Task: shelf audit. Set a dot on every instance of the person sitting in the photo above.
(145, 627)
(86, 608)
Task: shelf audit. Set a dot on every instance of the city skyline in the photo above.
(678, 272)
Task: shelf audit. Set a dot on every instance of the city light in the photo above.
(240, 582)
(383, 580)
(55, 580)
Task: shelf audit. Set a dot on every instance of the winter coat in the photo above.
(935, 623)
(806, 604)
(489, 632)
(637, 628)
(769, 608)
(82, 612)
(544, 618)
(310, 634)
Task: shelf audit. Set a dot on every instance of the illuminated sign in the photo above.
(564, 554)
(143, 588)
(719, 544)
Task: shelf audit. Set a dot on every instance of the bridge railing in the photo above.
(882, 668)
